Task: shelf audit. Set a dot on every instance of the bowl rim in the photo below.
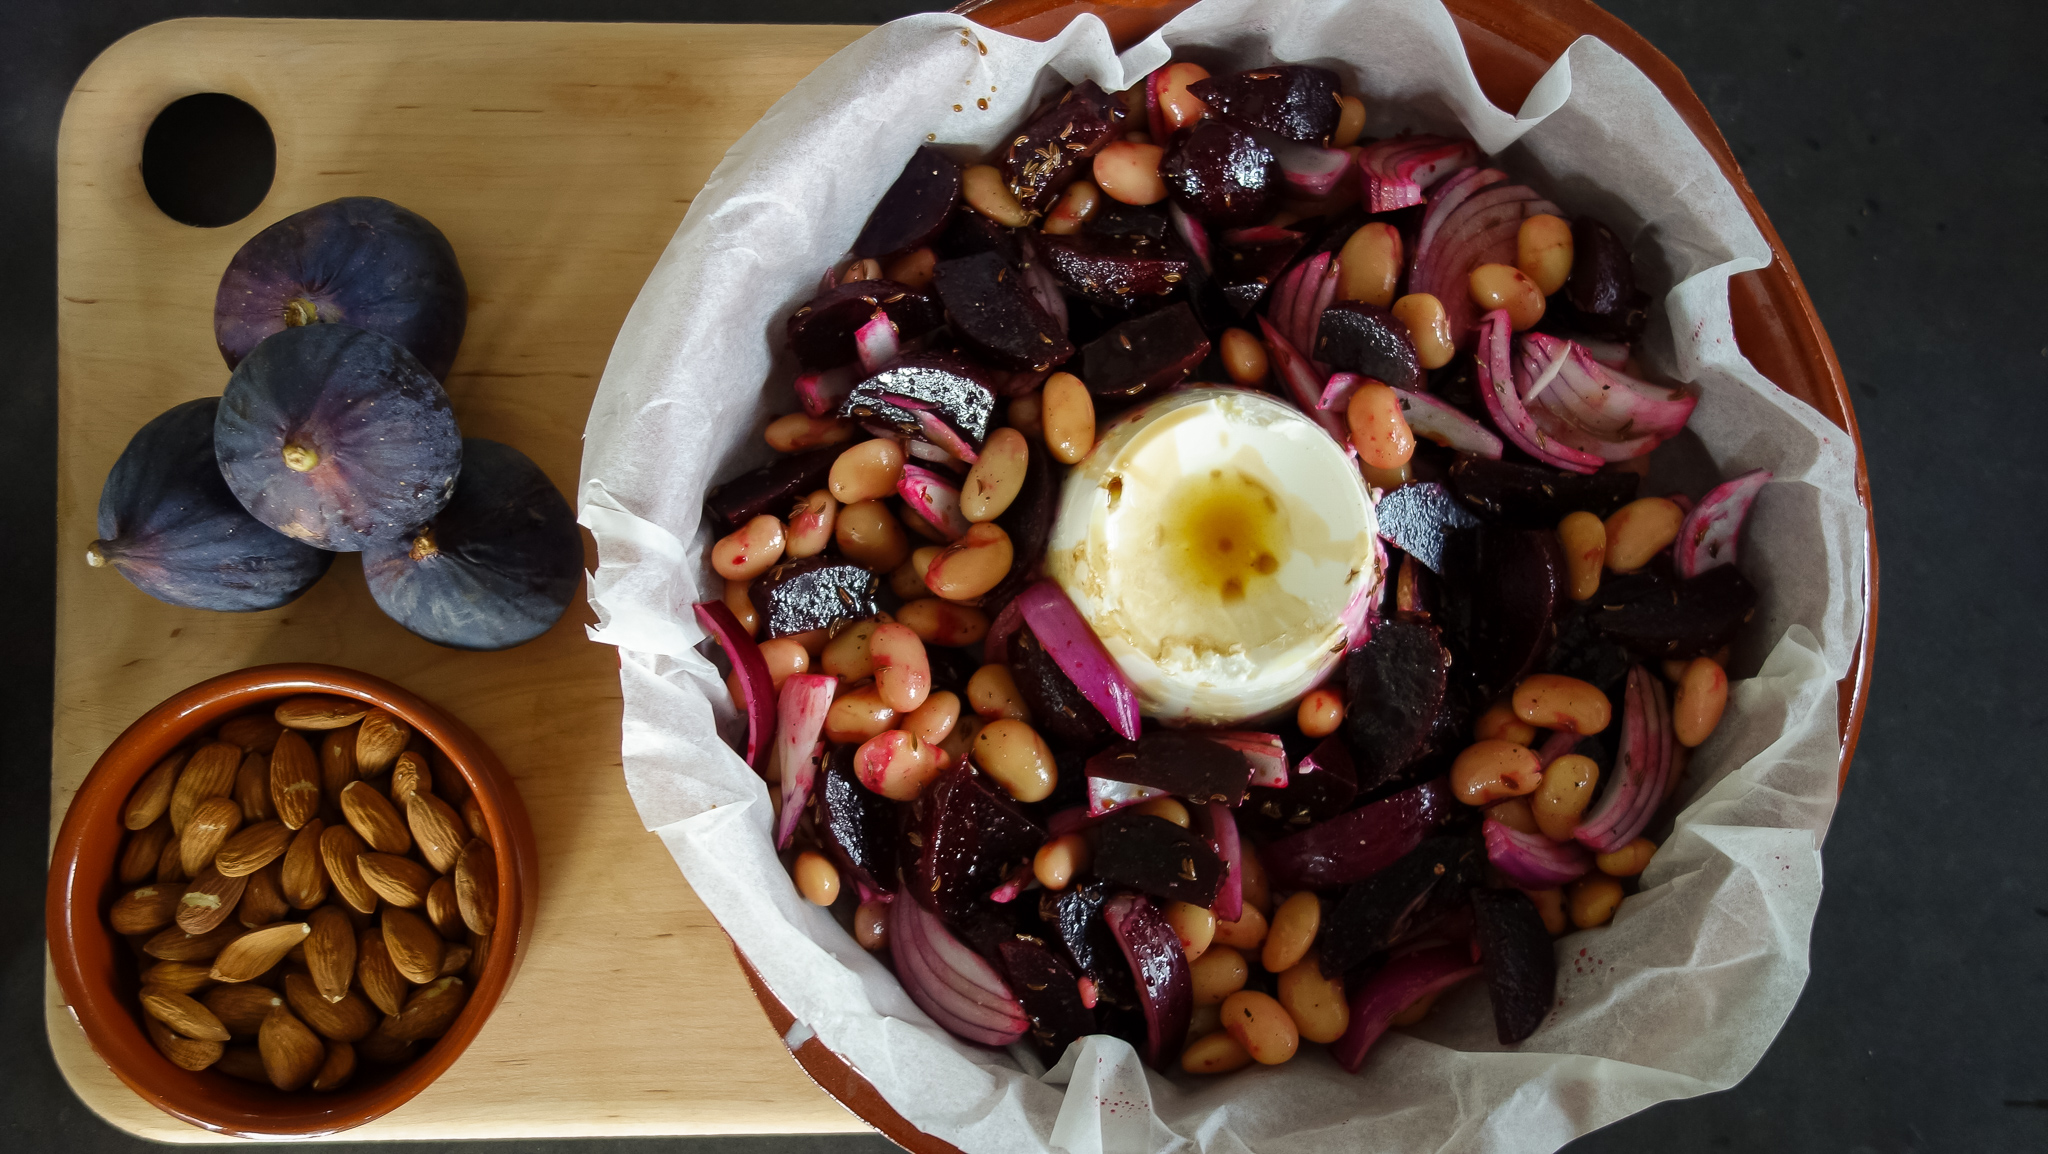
(83, 948)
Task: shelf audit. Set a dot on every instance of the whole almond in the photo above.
(263, 900)
(476, 886)
(339, 849)
(209, 900)
(443, 910)
(212, 822)
(331, 954)
(479, 953)
(414, 946)
(437, 830)
(410, 775)
(294, 780)
(184, 1053)
(338, 761)
(349, 1018)
(319, 711)
(382, 1048)
(145, 910)
(335, 1071)
(254, 732)
(242, 1006)
(170, 862)
(372, 816)
(178, 977)
(252, 787)
(304, 874)
(141, 849)
(253, 848)
(172, 944)
(379, 742)
(185, 1014)
(210, 772)
(292, 1054)
(455, 959)
(151, 797)
(241, 1060)
(473, 817)
(398, 880)
(381, 981)
(431, 1010)
(251, 955)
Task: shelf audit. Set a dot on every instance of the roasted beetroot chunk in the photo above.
(1656, 613)
(996, 315)
(1354, 846)
(1060, 712)
(1118, 271)
(915, 209)
(1053, 150)
(813, 592)
(1319, 787)
(1050, 992)
(1601, 290)
(1075, 916)
(1356, 337)
(822, 332)
(1383, 909)
(1145, 355)
(1397, 684)
(1537, 496)
(1248, 266)
(970, 233)
(1507, 585)
(1157, 856)
(1419, 519)
(857, 824)
(1160, 966)
(1521, 963)
(1222, 175)
(1182, 763)
(975, 837)
(773, 488)
(1296, 101)
(934, 397)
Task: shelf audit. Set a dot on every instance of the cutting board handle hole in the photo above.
(208, 159)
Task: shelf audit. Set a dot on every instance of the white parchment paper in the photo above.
(1678, 996)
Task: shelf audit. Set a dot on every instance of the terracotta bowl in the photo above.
(1511, 43)
(96, 970)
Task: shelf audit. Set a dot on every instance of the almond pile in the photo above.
(316, 887)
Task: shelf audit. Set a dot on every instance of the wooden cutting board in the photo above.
(559, 159)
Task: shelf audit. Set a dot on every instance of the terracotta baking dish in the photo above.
(98, 976)
(1511, 44)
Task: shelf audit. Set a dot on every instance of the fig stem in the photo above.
(299, 312)
(423, 545)
(300, 458)
(95, 555)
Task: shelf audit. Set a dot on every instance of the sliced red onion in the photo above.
(1106, 794)
(945, 437)
(995, 647)
(1192, 232)
(1473, 220)
(1041, 284)
(1311, 170)
(1304, 384)
(1337, 391)
(950, 982)
(1308, 320)
(1007, 892)
(1710, 532)
(1354, 846)
(821, 393)
(1396, 986)
(1155, 116)
(1266, 752)
(755, 683)
(799, 719)
(1504, 404)
(1364, 606)
(1159, 964)
(1579, 402)
(1396, 171)
(934, 497)
(1080, 655)
(1555, 746)
(1220, 826)
(1641, 768)
(1446, 425)
(876, 342)
(1294, 297)
(1533, 861)
(1610, 354)
(926, 451)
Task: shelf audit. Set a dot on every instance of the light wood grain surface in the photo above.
(558, 158)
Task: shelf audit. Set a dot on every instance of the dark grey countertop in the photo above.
(1902, 151)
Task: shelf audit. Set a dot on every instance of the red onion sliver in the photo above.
(954, 999)
(1311, 170)
(934, 497)
(1080, 655)
(1337, 391)
(1555, 746)
(1397, 170)
(1446, 425)
(1396, 986)
(1304, 385)
(1533, 861)
(1266, 752)
(1355, 845)
(800, 718)
(1708, 536)
(1221, 827)
(1504, 404)
(1191, 231)
(1106, 794)
(876, 342)
(754, 679)
(821, 393)
(1641, 768)
(1160, 966)
(995, 647)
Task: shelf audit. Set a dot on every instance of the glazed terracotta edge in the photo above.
(103, 1014)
